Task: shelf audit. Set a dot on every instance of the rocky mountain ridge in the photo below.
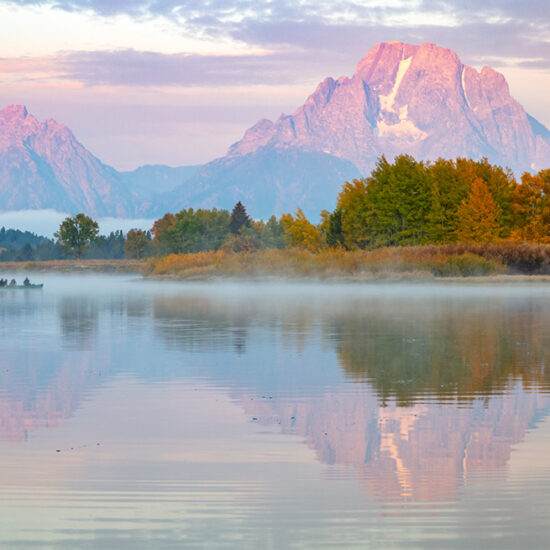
(419, 100)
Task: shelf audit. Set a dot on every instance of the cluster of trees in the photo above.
(77, 236)
(18, 246)
(405, 202)
(201, 230)
(409, 202)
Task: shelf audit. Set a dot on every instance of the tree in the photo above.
(300, 232)
(478, 216)
(272, 233)
(164, 239)
(239, 218)
(331, 228)
(352, 204)
(531, 207)
(137, 244)
(75, 234)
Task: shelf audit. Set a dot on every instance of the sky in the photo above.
(177, 82)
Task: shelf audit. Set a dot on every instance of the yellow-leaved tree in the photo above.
(300, 232)
(478, 216)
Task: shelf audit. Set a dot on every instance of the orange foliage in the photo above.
(478, 215)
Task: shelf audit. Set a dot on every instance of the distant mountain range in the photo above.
(420, 100)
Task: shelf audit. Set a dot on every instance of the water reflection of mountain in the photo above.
(39, 392)
(413, 394)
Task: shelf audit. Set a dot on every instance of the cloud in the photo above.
(135, 68)
(307, 33)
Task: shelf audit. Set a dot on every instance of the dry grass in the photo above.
(419, 261)
(76, 266)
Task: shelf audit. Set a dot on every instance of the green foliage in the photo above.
(398, 202)
(408, 202)
(75, 234)
(191, 231)
(272, 233)
(353, 206)
(107, 247)
(137, 244)
(239, 219)
(331, 228)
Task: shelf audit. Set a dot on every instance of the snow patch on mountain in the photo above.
(387, 101)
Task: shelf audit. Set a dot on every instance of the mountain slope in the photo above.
(419, 100)
(153, 179)
(402, 98)
(269, 181)
(42, 165)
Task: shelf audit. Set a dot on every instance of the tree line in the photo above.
(410, 202)
(404, 202)
(77, 237)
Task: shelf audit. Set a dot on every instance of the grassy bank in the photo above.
(75, 266)
(329, 264)
(457, 260)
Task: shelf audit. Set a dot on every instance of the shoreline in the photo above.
(75, 266)
(138, 267)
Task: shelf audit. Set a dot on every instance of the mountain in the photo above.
(269, 181)
(402, 98)
(152, 179)
(420, 100)
(42, 165)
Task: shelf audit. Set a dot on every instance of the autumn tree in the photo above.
(532, 208)
(76, 233)
(164, 238)
(478, 216)
(300, 232)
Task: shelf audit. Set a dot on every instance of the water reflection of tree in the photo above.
(444, 348)
(79, 316)
(206, 324)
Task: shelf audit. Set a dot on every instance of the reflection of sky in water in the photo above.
(273, 416)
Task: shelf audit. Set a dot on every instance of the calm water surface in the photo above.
(159, 415)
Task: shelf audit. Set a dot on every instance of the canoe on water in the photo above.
(21, 287)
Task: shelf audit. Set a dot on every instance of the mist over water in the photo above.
(47, 222)
(143, 414)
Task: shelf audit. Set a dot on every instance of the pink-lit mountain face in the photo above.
(42, 165)
(420, 100)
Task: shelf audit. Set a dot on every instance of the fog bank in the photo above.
(46, 222)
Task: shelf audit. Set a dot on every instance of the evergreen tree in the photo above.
(239, 218)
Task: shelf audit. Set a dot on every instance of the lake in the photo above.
(150, 415)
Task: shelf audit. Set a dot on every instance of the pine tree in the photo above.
(239, 218)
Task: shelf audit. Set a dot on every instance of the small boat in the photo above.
(21, 287)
